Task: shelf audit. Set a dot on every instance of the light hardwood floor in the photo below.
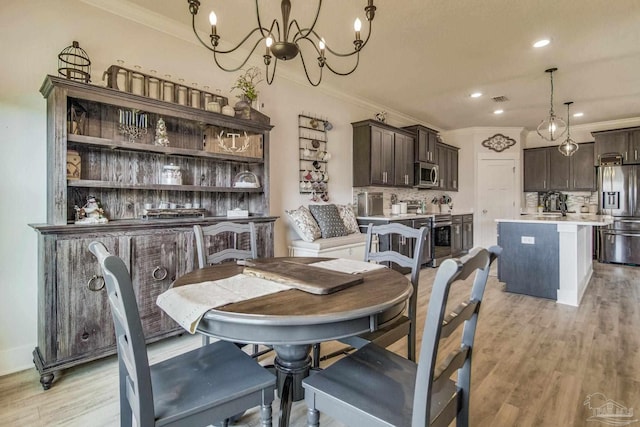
(534, 364)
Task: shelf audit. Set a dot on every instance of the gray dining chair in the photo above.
(376, 387)
(405, 325)
(223, 241)
(209, 384)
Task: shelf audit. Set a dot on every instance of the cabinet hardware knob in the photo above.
(96, 283)
(163, 273)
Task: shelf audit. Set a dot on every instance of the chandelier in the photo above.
(552, 127)
(569, 146)
(284, 40)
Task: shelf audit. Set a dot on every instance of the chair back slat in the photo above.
(405, 232)
(224, 241)
(449, 365)
(135, 377)
(462, 312)
(478, 261)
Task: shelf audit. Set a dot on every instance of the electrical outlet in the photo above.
(528, 240)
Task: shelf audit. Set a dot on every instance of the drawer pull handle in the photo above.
(96, 283)
(163, 273)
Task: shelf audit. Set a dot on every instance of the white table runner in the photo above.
(348, 266)
(187, 304)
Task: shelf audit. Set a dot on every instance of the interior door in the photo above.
(496, 196)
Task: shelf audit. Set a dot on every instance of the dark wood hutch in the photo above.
(74, 321)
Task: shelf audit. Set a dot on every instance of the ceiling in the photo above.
(425, 57)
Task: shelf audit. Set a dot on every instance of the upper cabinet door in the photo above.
(382, 141)
(536, 169)
(583, 172)
(613, 142)
(559, 170)
(634, 147)
(403, 161)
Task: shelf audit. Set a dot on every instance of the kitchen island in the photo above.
(548, 256)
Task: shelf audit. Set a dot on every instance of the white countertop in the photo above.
(398, 217)
(391, 217)
(576, 219)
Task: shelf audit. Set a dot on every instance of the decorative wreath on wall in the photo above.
(498, 142)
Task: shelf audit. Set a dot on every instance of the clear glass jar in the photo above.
(171, 174)
(167, 89)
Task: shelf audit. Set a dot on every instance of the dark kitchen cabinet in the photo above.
(382, 145)
(559, 170)
(425, 145)
(447, 167)
(546, 169)
(456, 235)
(535, 169)
(583, 173)
(467, 232)
(403, 161)
(625, 142)
(382, 155)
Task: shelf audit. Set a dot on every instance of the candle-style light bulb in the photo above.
(321, 45)
(357, 26)
(268, 41)
(213, 19)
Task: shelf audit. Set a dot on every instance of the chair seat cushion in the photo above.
(355, 382)
(229, 372)
(320, 244)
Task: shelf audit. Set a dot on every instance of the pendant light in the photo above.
(569, 146)
(552, 127)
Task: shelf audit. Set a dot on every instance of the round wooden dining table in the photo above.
(291, 321)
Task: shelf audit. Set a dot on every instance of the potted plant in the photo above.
(246, 84)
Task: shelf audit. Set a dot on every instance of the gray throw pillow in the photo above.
(329, 220)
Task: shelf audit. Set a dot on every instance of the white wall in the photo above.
(33, 33)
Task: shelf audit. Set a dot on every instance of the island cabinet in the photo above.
(94, 149)
(447, 156)
(625, 142)
(546, 169)
(382, 155)
(425, 146)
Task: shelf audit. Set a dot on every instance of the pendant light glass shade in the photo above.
(569, 146)
(552, 127)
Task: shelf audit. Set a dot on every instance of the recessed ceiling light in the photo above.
(542, 43)
(498, 112)
(578, 114)
(476, 95)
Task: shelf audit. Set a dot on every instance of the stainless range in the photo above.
(440, 238)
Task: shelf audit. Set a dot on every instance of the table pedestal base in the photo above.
(292, 365)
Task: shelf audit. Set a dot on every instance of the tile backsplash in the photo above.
(405, 194)
(575, 200)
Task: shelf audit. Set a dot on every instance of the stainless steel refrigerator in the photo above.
(619, 196)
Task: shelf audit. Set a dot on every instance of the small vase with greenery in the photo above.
(246, 84)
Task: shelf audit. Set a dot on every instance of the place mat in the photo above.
(305, 277)
(348, 266)
(187, 304)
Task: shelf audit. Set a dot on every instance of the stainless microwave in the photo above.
(426, 175)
